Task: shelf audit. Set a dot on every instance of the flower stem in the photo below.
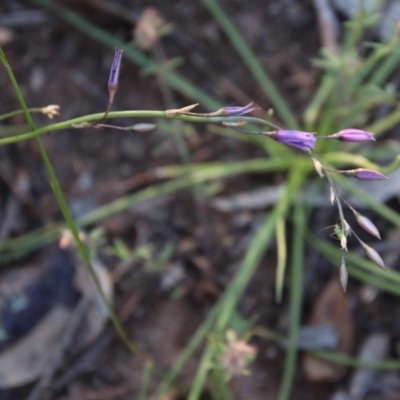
(87, 119)
(18, 112)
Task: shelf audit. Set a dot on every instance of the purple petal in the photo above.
(354, 135)
(368, 174)
(114, 71)
(237, 111)
(300, 140)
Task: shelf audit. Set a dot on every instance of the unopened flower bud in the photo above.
(236, 111)
(365, 222)
(364, 174)
(367, 225)
(373, 255)
(343, 273)
(143, 127)
(354, 135)
(114, 74)
(301, 140)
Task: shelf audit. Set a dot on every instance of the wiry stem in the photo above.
(343, 221)
(82, 122)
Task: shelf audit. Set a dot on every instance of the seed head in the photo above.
(53, 110)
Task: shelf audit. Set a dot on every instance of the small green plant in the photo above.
(351, 87)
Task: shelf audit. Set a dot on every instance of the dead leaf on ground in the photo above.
(331, 308)
(26, 359)
(23, 362)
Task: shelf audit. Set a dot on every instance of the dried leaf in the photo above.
(23, 362)
(331, 308)
(26, 360)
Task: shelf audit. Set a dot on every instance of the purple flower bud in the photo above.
(237, 111)
(354, 135)
(114, 73)
(298, 139)
(364, 174)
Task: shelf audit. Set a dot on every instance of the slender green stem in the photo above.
(65, 210)
(201, 375)
(296, 297)
(186, 177)
(146, 378)
(84, 122)
(190, 348)
(257, 250)
(282, 258)
(227, 303)
(19, 112)
(251, 261)
(220, 384)
(334, 357)
(343, 222)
